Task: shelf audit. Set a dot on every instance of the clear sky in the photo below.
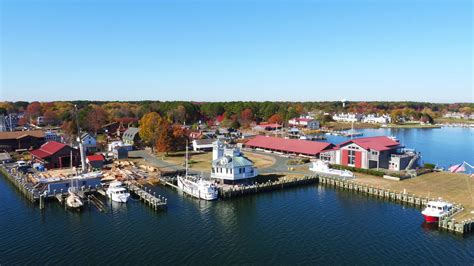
(237, 50)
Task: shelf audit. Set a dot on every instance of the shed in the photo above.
(120, 153)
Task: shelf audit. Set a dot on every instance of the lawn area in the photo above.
(452, 187)
(202, 161)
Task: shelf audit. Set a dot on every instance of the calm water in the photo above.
(303, 225)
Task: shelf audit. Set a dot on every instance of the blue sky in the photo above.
(237, 50)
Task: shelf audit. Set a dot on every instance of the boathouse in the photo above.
(371, 152)
(288, 146)
(54, 154)
(17, 140)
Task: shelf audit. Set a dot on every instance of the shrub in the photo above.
(359, 170)
(429, 166)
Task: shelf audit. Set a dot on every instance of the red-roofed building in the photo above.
(370, 152)
(288, 146)
(54, 154)
(95, 161)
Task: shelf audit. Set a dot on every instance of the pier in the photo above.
(155, 202)
(230, 192)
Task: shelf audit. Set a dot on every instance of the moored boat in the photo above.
(73, 200)
(435, 210)
(198, 187)
(116, 192)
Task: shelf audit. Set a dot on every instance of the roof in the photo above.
(85, 135)
(380, 143)
(95, 158)
(130, 133)
(204, 141)
(47, 149)
(5, 156)
(289, 145)
(21, 134)
(232, 162)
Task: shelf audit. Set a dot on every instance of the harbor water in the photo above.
(305, 225)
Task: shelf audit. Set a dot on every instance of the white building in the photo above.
(229, 165)
(349, 117)
(89, 142)
(202, 144)
(375, 119)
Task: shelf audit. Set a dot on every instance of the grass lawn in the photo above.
(457, 188)
(202, 161)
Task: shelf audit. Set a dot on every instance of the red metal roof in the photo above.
(47, 149)
(380, 143)
(289, 145)
(95, 157)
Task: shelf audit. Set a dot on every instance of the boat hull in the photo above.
(187, 187)
(431, 219)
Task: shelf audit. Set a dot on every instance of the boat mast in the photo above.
(81, 147)
(186, 158)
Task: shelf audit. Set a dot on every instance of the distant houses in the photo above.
(306, 122)
(89, 142)
(267, 127)
(377, 119)
(349, 117)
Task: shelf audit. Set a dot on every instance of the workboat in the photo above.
(435, 210)
(73, 200)
(322, 167)
(196, 186)
(116, 192)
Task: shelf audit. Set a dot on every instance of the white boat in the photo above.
(323, 168)
(435, 210)
(196, 186)
(73, 200)
(116, 192)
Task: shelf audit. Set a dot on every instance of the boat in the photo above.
(196, 186)
(323, 168)
(73, 200)
(435, 210)
(116, 192)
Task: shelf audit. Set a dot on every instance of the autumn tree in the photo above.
(150, 128)
(96, 118)
(179, 138)
(33, 110)
(275, 119)
(50, 117)
(164, 141)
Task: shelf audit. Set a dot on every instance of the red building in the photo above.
(56, 155)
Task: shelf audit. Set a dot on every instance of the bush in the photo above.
(429, 166)
(298, 161)
(359, 170)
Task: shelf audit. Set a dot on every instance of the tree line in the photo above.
(92, 115)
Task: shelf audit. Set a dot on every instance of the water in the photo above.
(442, 146)
(305, 225)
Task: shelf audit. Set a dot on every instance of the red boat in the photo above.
(435, 210)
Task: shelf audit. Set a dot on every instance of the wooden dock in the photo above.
(230, 192)
(145, 194)
(447, 222)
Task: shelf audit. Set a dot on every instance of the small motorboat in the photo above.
(435, 210)
(116, 192)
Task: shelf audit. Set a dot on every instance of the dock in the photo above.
(145, 194)
(230, 192)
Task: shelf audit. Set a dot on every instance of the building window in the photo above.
(351, 157)
(230, 171)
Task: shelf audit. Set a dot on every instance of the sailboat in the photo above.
(73, 200)
(196, 186)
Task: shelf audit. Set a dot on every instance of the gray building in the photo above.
(131, 136)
